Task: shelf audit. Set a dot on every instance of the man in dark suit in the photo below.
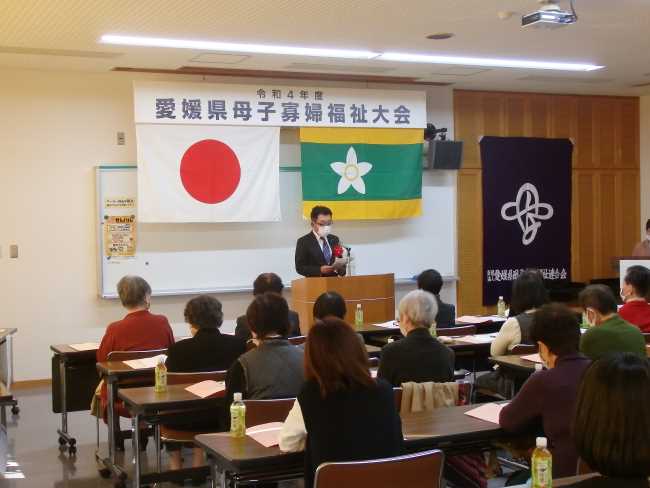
(315, 251)
(430, 280)
(263, 283)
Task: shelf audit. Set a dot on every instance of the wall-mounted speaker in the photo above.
(445, 155)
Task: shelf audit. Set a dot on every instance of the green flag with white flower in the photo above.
(362, 173)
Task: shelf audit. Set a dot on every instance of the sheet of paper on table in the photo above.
(388, 325)
(145, 363)
(266, 434)
(477, 339)
(535, 358)
(85, 346)
(473, 319)
(488, 412)
(207, 388)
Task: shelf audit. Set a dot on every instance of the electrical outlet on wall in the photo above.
(13, 251)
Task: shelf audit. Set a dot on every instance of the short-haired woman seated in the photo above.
(274, 368)
(341, 413)
(612, 422)
(634, 293)
(207, 350)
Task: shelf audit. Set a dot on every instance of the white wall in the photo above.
(55, 127)
(645, 161)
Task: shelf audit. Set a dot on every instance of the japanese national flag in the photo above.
(199, 173)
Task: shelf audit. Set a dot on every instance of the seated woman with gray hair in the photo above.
(139, 330)
(419, 356)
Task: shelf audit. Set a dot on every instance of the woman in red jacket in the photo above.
(139, 330)
(634, 293)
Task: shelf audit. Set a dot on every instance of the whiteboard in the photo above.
(192, 258)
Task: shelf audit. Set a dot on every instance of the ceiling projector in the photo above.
(549, 16)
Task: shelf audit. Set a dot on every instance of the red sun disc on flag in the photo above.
(210, 171)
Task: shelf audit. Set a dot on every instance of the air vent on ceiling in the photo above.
(37, 51)
(218, 58)
(566, 79)
(459, 71)
(341, 68)
(641, 85)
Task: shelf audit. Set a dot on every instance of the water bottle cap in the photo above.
(541, 442)
(237, 397)
(500, 298)
(358, 305)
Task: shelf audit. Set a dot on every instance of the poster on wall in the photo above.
(526, 211)
(120, 236)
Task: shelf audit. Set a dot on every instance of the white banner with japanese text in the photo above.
(267, 104)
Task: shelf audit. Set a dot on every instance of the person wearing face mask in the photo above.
(609, 333)
(207, 350)
(642, 249)
(315, 252)
(636, 286)
(548, 398)
(418, 357)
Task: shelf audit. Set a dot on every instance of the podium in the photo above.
(375, 293)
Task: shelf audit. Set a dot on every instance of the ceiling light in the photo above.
(493, 62)
(235, 47)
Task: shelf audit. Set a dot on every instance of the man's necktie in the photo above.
(327, 252)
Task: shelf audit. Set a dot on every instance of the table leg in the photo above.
(64, 436)
(110, 390)
(156, 433)
(136, 449)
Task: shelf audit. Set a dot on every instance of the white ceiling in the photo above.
(63, 34)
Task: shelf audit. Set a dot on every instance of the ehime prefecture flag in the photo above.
(362, 173)
(199, 173)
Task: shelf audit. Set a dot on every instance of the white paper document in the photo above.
(477, 338)
(85, 346)
(473, 319)
(391, 324)
(207, 388)
(266, 434)
(145, 363)
(488, 412)
(535, 358)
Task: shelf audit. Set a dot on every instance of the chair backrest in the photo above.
(186, 378)
(397, 391)
(374, 362)
(524, 349)
(646, 336)
(128, 355)
(583, 468)
(420, 470)
(264, 411)
(457, 331)
(297, 340)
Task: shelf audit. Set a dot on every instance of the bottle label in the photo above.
(161, 380)
(541, 473)
(237, 422)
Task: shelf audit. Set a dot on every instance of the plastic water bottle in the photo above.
(237, 416)
(358, 316)
(161, 376)
(501, 307)
(542, 465)
(351, 264)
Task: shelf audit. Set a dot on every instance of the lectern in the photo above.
(375, 293)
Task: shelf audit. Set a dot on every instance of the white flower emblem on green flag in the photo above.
(351, 173)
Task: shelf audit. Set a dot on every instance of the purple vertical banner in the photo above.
(526, 211)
